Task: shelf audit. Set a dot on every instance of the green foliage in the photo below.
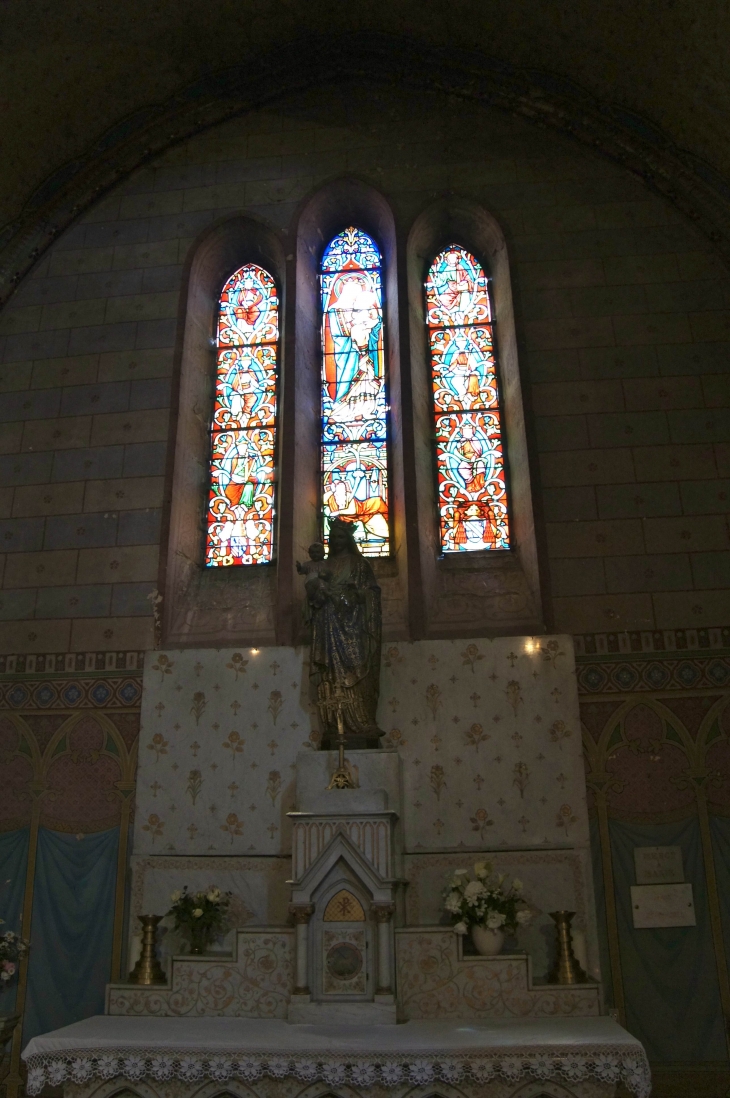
(200, 911)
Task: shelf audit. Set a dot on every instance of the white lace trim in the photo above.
(609, 1064)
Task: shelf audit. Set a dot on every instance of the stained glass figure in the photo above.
(354, 396)
(243, 430)
(472, 495)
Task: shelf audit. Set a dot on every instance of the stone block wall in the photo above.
(622, 322)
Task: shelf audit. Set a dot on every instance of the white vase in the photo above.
(487, 942)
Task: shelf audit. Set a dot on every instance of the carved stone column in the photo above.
(382, 913)
(301, 914)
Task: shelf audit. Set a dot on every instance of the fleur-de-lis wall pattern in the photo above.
(487, 730)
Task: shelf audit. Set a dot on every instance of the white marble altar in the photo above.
(337, 911)
(488, 740)
(581, 1058)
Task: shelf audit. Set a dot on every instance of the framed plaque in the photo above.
(658, 865)
(662, 905)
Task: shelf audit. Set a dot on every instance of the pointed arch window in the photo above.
(240, 521)
(354, 436)
(472, 493)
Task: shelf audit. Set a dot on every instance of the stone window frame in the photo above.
(212, 606)
(506, 583)
(426, 594)
(327, 212)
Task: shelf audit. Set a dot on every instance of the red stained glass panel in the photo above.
(241, 500)
(463, 369)
(472, 493)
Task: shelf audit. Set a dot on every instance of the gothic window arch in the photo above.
(469, 427)
(214, 604)
(469, 451)
(240, 518)
(354, 437)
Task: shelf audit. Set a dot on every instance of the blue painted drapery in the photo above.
(72, 928)
(669, 974)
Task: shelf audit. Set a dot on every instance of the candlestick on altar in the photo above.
(148, 969)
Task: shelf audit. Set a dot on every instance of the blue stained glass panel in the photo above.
(354, 393)
(243, 430)
(352, 248)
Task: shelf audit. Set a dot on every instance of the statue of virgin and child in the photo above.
(343, 611)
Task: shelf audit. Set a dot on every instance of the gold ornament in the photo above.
(331, 703)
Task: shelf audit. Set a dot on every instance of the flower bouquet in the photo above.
(200, 915)
(481, 904)
(12, 949)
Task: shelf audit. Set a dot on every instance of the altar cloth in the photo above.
(418, 1052)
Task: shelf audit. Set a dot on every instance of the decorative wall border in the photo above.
(670, 659)
(691, 184)
(101, 692)
(592, 646)
(55, 663)
(627, 676)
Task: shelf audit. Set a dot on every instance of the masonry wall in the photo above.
(622, 323)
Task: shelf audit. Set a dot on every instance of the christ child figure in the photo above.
(316, 561)
(317, 572)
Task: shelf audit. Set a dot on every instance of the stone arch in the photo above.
(331, 208)
(543, 1089)
(633, 142)
(234, 1088)
(214, 606)
(343, 907)
(505, 589)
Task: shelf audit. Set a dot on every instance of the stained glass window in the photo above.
(241, 498)
(354, 397)
(472, 495)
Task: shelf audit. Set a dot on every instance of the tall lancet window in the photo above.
(354, 395)
(472, 495)
(243, 430)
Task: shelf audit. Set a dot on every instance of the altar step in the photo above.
(434, 980)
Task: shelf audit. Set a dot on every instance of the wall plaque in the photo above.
(662, 905)
(658, 865)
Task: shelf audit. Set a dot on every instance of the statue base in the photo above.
(353, 743)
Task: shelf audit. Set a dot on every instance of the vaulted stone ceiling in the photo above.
(71, 71)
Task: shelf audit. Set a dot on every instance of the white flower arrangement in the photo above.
(483, 900)
(12, 949)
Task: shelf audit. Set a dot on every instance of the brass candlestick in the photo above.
(148, 969)
(566, 969)
(332, 702)
(8, 1022)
